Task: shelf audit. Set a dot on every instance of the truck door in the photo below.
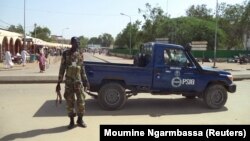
(177, 74)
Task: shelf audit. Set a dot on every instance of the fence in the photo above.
(219, 53)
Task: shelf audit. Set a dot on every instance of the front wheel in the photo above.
(215, 96)
(112, 96)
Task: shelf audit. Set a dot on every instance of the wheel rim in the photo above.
(112, 97)
(217, 97)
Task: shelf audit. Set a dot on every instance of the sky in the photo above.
(89, 18)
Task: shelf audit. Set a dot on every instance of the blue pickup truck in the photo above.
(158, 69)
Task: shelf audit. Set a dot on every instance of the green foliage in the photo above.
(199, 11)
(41, 33)
(106, 40)
(18, 28)
(153, 21)
(83, 42)
(187, 29)
(231, 17)
(123, 38)
(219, 53)
(94, 40)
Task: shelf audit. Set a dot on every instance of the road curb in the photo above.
(101, 59)
(28, 79)
(239, 77)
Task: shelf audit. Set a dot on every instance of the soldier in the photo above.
(75, 80)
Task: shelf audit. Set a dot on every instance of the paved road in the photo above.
(28, 112)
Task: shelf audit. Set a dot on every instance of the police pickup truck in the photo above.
(158, 69)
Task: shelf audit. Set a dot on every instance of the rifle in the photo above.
(59, 95)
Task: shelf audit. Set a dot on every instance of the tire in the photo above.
(215, 96)
(112, 96)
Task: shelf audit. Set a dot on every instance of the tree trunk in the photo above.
(245, 41)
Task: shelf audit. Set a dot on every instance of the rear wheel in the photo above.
(112, 96)
(215, 96)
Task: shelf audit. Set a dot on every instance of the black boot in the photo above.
(80, 122)
(72, 123)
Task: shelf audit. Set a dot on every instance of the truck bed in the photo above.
(98, 73)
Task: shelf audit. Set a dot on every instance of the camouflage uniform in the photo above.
(72, 63)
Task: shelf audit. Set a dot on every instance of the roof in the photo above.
(164, 44)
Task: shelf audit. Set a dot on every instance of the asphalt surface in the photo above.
(29, 113)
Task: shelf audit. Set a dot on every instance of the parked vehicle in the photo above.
(17, 59)
(243, 59)
(159, 69)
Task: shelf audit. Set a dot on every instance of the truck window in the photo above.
(175, 57)
(144, 57)
(147, 54)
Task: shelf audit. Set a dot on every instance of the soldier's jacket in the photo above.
(72, 63)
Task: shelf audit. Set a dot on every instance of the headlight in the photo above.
(230, 77)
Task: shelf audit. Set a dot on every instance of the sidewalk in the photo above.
(30, 73)
(113, 59)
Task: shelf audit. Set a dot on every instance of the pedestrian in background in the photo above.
(41, 60)
(24, 55)
(8, 60)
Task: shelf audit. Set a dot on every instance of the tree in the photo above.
(123, 38)
(184, 30)
(83, 41)
(199, 11)
(106, 40)
(231, 18)
(245, 22)
(153, 17)
(17, 29)
(41, 33)
(94, 40)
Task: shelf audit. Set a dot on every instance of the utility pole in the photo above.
(215, 36)
(24, 32)
(35, 29)
(35, 37)
(130, 36)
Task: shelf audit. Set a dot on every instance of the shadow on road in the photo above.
(141, 106)
(33, 133)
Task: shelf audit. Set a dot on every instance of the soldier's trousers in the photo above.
(74, 90)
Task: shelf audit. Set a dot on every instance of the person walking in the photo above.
(8, 60)
(75, 81)
(41, 60)
(24, 55)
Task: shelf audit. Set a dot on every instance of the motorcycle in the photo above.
(17, 59)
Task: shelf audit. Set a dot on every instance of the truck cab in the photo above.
(159, 69)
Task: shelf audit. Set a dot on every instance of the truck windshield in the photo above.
(175, 57)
